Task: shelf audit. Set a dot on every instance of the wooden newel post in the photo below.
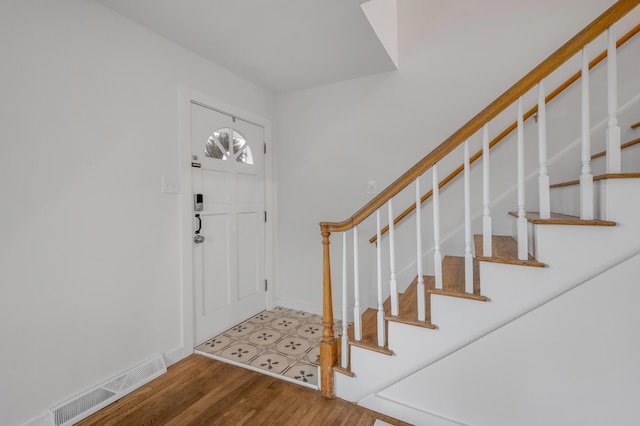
(328, 347)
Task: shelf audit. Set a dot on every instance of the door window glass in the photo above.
(218, 146)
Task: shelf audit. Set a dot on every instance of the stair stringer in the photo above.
(571, 361)
(573, 255)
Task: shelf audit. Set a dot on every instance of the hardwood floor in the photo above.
(202, 391)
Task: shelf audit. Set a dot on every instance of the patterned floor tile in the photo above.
(317, 319)
(241, 330)
(271, 361)
(285, 324)
(240, 352)
(263, 318)
(309, 331)
(305, 316)
(293, 346)
(312, 355)
(281, 341)
(265, 337)
(303, 372)
(216, 344)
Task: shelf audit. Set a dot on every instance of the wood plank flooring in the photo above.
(202, 391)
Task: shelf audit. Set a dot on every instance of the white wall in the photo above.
(89, 246)
(573, 361)
(455, 57)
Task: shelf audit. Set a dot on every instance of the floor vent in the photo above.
(87, 403)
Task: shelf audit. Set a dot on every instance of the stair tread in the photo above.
(372, 346)
(453, 279)
(623, 146)
(339, 369)
(636, 125)
(408, 305)
(504, 249)
(563, 219)
(597, 178)
(370, 330)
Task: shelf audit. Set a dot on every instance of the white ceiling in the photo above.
(282, 45)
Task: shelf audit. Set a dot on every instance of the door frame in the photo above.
(186, 97)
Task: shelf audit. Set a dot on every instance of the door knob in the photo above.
(199, 224)
(198, 238)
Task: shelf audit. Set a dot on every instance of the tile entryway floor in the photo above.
(281, 342)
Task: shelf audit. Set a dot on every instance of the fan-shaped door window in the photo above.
(219, 146)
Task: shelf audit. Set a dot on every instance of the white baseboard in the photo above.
(43, 420)
(405, 412)
(177, 354)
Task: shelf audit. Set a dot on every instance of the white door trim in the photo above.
(186, 97)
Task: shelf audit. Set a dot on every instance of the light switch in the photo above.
(169, 185)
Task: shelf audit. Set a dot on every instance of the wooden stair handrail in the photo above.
(561, 88)
(546, 67)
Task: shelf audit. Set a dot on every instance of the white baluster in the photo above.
(523, 244)
(437, 256)
(586, 179)
(422, 310)
(381, 336)
(486, 212)
(393, 287)
(543, 176)
(468, 255)
(614, 162)
(357, 315)
(345, 341)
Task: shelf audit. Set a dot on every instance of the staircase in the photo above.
(500, 280)
(570, 253)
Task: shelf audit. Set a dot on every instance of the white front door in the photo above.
(228, 249)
